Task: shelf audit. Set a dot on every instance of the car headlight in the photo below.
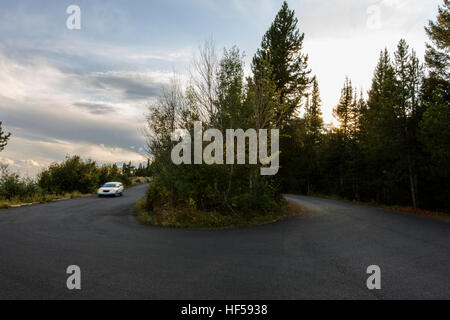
(112, 191)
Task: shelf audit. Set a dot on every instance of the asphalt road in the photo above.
(322, 254)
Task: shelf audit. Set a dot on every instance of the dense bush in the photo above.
(75, 174)
(12, 186)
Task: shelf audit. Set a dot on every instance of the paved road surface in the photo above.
(322, 254)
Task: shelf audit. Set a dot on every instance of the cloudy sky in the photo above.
(65, 92)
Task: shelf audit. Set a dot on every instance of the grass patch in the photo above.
(189, 218)
(39, 199)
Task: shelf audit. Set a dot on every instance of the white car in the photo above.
(111, 189)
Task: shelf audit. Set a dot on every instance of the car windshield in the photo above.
(110, 185)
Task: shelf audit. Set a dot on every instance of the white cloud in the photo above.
(36, 81)
(7, 161)
(29, 163)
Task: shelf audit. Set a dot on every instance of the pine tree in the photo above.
(281, 52)
(436, 88)
(435, 123)
(383, 98)
(313, 137)
(437, 55)
(313, 115)
(401, 70)
(344, 111)
(361, 111)
(383, 83)
(382, 139)
(4, 137)
(347, 112)
(409, 77)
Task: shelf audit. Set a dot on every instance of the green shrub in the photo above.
(14, 187)
(77, 175)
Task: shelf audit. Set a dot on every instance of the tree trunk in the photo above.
(413, 181)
